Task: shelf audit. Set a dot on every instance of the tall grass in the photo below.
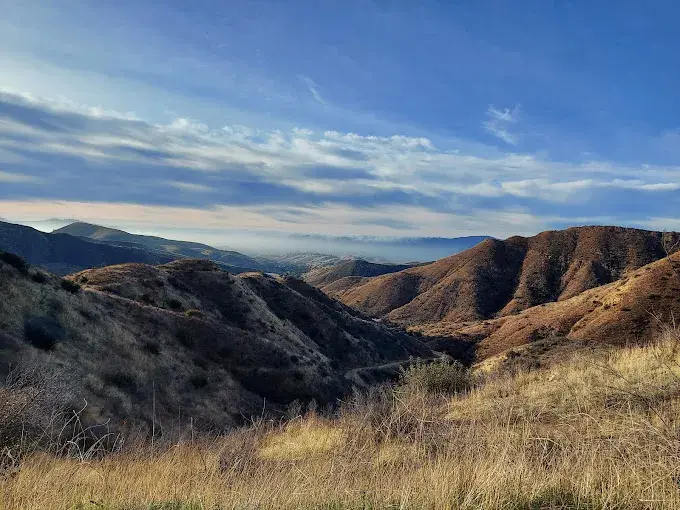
(590, 433)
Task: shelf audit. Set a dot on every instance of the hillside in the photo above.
(301, 262)
(191, 337)
(499, 278)
(323, 276)
(628, 311)
(168, 247)
(62, 254)
(596, 431)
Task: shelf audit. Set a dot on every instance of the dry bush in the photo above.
(438, 377)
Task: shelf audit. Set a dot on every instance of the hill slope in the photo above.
(629, 311)
(172, 248)
(499, 278)
(210, 344)
(322, 276)
(62, 254)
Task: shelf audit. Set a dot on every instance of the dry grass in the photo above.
(601, 432)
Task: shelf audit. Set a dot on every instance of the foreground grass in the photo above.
(601, 432)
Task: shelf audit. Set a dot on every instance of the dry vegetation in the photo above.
(597, 431)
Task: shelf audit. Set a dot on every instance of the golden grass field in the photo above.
(596, 431)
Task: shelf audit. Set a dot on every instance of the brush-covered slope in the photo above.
(322, 276)
(175, 249)
(498, 278)
(213, 345)
(628, 311)
(62, 254)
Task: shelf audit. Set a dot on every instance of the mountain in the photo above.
(324, 276)
(628, 311)
(499, 278)
(197, 341)
(175, 249)
(301, 262)
(62, 254)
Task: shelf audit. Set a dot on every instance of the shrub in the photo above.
(39, 277)
(43, 332)
(174, 304)
(443, 376)
(194, 313)
(70, 286)
(151, 347)
(15, 261)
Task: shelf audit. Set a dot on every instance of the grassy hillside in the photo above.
(596, 431)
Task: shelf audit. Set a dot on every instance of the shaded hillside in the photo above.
(172, 248)
(320, 277)
(62, 254)
(214, 346)
(498, 278)
(629, 311)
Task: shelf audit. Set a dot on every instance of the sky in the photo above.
(209, 120)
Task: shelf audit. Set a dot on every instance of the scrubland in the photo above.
(598, 430)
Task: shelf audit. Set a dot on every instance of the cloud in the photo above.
(327, 218)
(365, 182)
(190, 186)
(313, 89)
(499, 122)
(11, 178)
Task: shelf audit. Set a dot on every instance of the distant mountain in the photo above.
(323, 276)
(398, 250)
(301, 262)
(63, 254)
(193, 339)
(174, 249)
(499, 278)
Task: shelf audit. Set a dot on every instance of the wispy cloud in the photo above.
(190, 187)
(313, 89)
(499, 123)
(12, 178)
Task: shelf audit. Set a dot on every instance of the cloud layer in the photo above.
(66, 160)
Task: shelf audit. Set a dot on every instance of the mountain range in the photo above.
(176, 249)
(136, 310)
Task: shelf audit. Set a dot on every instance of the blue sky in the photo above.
(341, 118)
